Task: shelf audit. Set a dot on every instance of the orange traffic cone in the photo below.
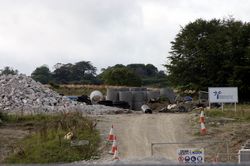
(203, 129)
(115, 157)
(111, 135)
(114, 146)
(202, 117)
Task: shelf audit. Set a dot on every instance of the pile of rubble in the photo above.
(21, 94)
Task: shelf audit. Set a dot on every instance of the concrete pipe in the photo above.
(145, 108)
(137, 105)
(138, 96)
(96, 96)
(112, 94)
(137, 89)
(143, 89)
(153, 95)
(168, 93)
(122, 89)
(126, 96)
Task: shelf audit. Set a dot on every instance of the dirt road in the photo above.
(136, 132)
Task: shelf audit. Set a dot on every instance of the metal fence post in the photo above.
(228, 157)
(152, 149)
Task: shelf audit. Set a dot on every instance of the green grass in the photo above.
(242, 114)
(47, 143)
(13, 118)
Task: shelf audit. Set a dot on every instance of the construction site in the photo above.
(125, 82)
(135, 125)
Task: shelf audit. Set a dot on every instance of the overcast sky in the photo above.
(105, 32)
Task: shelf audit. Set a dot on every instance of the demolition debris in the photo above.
(21, 94)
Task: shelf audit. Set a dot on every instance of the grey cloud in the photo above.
(105, 32)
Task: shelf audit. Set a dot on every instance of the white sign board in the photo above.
(223, 94)
(190, 155)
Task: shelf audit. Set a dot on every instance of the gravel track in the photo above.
(136, 132)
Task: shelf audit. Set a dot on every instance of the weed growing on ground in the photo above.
(48, 145)
(241, 115)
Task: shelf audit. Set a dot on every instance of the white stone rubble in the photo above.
(21, 94)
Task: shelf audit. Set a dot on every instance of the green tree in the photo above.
(209, 53)
(151, 70)
(139, 69)
(80, 72)
(120, 75)
(144, 71)
(63, 74)
(83, 71)
(42, 74)
(8, 70)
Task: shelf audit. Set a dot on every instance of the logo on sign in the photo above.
(219, 95)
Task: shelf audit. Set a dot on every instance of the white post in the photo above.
(222, 106)
(235, 106)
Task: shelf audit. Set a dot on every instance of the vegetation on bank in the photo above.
(47, 143)
(242, 114)
(78, 90)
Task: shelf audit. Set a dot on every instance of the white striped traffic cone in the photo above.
(203, 130)
(115, 157)
(111, 135)
(202, 117)
(114, 146)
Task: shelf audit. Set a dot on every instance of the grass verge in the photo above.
(241, 115)
(47, 144)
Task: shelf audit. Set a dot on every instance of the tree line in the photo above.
(84, 72)
(214, 53)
